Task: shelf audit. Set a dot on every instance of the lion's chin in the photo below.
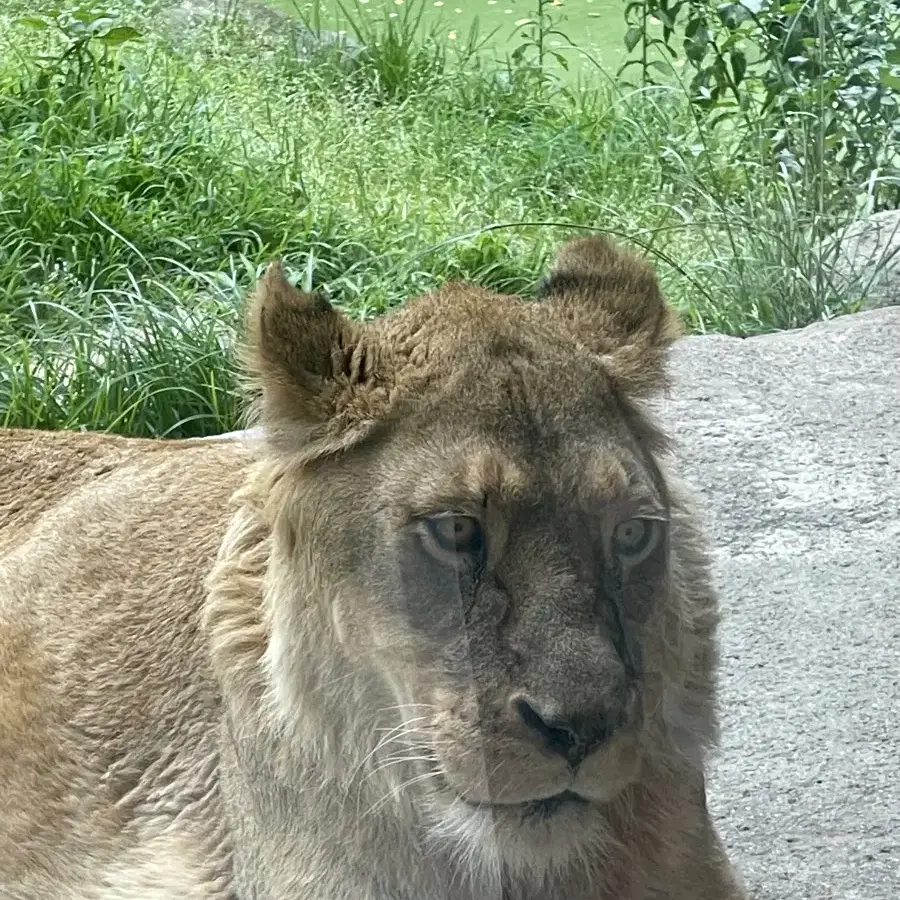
(524, 839)
(542, 807)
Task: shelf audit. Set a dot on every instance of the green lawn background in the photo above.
(597, 27)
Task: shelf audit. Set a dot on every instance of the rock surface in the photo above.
(178, 18)
(863, 260)
(793, 441)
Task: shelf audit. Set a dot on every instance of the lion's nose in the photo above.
(573, 736)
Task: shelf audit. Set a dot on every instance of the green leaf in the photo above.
(632, 38)
(730, 41)
(667, 17)
(89, 15)
(120, 35)
(35, 22)
(889, 80)
(738, 65)
(696, 48)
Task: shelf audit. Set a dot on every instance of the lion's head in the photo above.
(484, 601)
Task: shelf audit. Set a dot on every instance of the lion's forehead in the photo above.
(493, 348)
(507, 437)
(540, 401)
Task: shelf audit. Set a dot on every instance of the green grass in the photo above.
(596, 27)
(142, 194)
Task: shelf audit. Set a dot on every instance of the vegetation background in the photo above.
(152, 162)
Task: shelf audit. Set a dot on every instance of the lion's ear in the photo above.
(314, 370)
(610, 302)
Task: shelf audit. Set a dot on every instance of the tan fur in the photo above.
(236, 672)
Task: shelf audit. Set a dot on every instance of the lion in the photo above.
(446, 630)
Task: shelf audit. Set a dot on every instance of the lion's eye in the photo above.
(451, 537)
(635, 539)
(456, 534)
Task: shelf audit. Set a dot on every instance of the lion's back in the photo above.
(105, 690)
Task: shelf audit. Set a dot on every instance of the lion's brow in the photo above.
(605, 474)
(470, 482)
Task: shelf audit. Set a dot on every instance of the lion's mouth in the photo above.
(543, 808)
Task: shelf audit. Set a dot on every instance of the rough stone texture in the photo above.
(179, 18)
(863, 260)
(793, 440)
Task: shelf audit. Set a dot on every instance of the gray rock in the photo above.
(862, 261)
(308, 43)
(179, 17)
(249, 436)
(793, 440)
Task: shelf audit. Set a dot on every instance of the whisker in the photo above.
(387, 739)
(397, 760)
(426, 776)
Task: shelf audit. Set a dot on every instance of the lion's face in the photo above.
(490, 529)
(499, 571)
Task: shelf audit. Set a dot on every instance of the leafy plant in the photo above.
(84, 30)
(539, 28)
(810, 84)
(78, 65)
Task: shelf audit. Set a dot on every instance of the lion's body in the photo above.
(205, 660)
(108, 708)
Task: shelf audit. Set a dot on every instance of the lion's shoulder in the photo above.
(105, 543)
(42, 471)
